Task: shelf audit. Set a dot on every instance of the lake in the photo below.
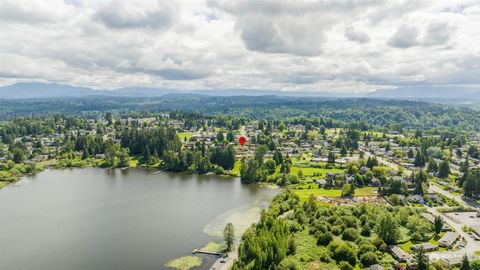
(94, 218)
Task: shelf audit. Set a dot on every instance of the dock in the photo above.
(197, 251)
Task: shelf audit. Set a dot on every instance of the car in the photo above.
(222, 261)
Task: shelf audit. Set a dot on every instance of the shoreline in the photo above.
(54, 165)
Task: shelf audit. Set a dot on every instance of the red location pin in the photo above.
(242, 140)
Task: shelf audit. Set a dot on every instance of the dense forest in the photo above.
(394, 114)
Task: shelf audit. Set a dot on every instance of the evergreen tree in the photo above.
(387, 229)
(419, 159)
(229, 236)
(331, 157)
(438, 224)
(343, 151)
(422, 259)
(444, 169)
(465, 263)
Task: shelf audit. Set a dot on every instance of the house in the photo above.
(427, 247)
(375, 267)
(428, 217)
(456, 260)
(476, 229)
(417, 199)
(321, 183)
(400, 254)
(431, 219)
(448, 239)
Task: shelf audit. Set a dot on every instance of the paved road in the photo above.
(459, 199)
(469, 249)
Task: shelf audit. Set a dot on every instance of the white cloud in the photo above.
(406, 36)
(354, 35)
(323, 45)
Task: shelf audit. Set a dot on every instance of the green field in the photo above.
(304, 194)
(183, 135)
(309, 171)
(236, 168)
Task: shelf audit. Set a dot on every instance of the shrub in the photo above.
(368, 258)
(350, 234)
(324, 239)
(343, 265)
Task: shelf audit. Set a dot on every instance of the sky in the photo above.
(325, 45)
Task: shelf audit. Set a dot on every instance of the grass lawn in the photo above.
(2, 184)
(309, 171)
(214, 247)
(184, 263)
(183, 135)
(407, 246)
(477, 252)
(308, 253)
(236, 168)
(304, 194)
(133, 162)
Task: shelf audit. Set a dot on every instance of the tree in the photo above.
(270, 166)
(109, 118)
(18, 155)
(259, 153)
(471, 185)
(277, 157)
(229, 236)
(345, 252)
(432, 166)
(438, 224)
(343, 151)
(422, 259)
(292, 246)
(220, 136)
(368, 258)
(146, 154)
(371, 162)
(465, 263)
(124, 158)
(387, 229)
(331, 157)
(410, 153)
(85, 153)
(444, 169)
(348, 190)
(419, 159)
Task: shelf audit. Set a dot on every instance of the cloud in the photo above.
(353, 35)
(130, 14)
(437, 33)
(313, 45)
(405, 37)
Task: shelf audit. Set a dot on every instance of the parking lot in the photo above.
(464, 218)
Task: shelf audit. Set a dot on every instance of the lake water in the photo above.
(118, 219)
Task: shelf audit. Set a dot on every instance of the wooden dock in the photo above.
(197, 251)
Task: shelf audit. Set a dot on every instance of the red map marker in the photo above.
(242, 140)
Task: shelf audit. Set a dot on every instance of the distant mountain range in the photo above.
(54, 90)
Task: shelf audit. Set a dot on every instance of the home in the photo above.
(476, 229)
(448, 239)
(456, 260)
(375, 267)
(427, 247)
(399, 254)
(321, 183)
(417, 199)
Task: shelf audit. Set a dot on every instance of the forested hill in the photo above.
(376, 112)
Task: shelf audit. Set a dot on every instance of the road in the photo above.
(459, 199)
(469, 249)
(228, 262)
(471, 245)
